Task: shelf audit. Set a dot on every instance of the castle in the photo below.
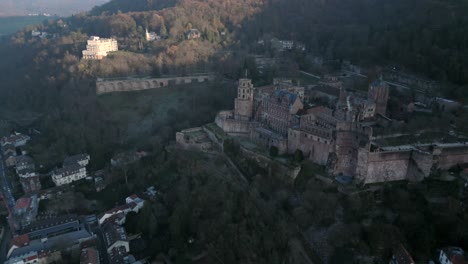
(338, 137)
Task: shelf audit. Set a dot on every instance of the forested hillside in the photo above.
(424, 36)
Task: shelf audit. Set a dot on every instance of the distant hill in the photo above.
(59, 7)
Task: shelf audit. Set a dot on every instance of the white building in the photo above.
(287, 44)
(68, 174)
(150, 36)
(98, 48)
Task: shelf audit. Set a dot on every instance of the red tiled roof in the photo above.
(402, 256)
(20, 241)
(23, 203)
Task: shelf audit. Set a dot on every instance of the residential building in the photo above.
(193, 34)
(90, 256)
(24, 162)
(134, 199)
(151, 36)
(99, 48)
(115, 237)
(10, 159)
(17, 140)
(453, 255)
(68, 174)
(9, 149)
(30, 183)
(36, 257)
(49, 235)
(81, 159)
(25, 211)
(125, 209)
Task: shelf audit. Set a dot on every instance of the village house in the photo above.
(133, 203)
(49, 235)
(68, 174)
(36, 257)
(90, 255)
(115, 237)
(81, 159)
(193, 34)
(17, 140)
(25, 211)
(24, 162)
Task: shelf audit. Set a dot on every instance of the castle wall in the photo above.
(314, 148)
(422, 163)
(232, 126)
(109, 86)
(387, 166)
(243, 109)
(449, 156)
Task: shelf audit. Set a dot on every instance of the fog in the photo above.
(59, 7)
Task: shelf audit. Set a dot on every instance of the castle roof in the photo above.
(280, 94)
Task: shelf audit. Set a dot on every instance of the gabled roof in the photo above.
(72, 160)
(68, 170)
(20, 241)
(402, 256)
(23, 203)
(24, 159)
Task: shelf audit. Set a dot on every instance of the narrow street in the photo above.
(6, 185)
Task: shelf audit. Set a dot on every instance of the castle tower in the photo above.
(378, 93)
(147, 35)
(243, 104)
(351, 138)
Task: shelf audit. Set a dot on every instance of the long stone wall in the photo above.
(447, 156)
(387, 166)
(126, 85)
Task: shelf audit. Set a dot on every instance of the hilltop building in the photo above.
(98, 48)
(193, 34)
(151, 36)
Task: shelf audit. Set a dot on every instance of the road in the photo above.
(6, 185)
(4, 244)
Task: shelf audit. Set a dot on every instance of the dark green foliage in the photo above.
(273, 151)
(298, 155)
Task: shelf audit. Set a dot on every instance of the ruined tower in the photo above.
(378, 93)
(243, 104)
(351, 138)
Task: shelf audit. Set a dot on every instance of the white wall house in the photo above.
(68, 174)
